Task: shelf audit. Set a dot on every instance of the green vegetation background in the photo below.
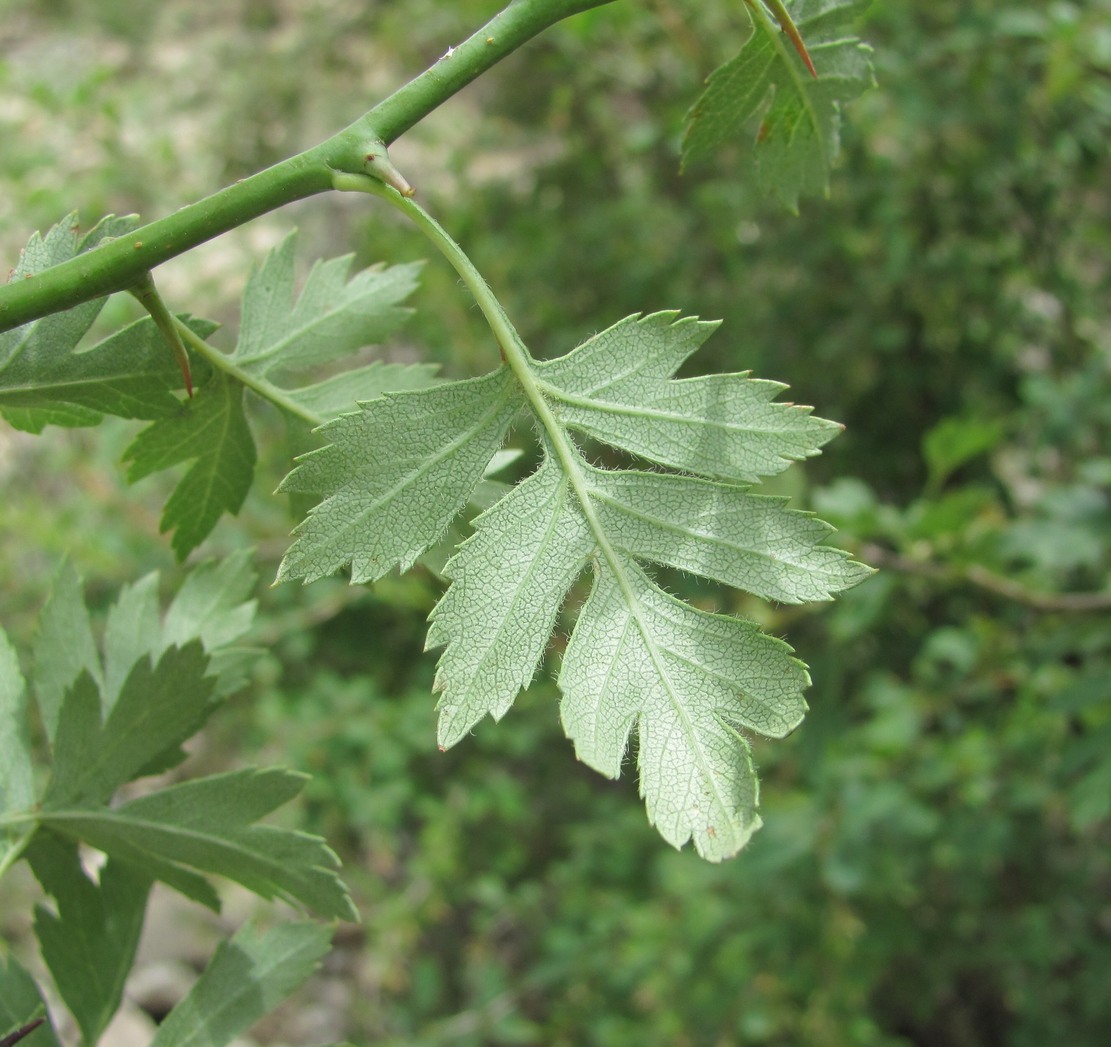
(935, 868)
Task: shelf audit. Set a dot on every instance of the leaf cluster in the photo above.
(112, 714)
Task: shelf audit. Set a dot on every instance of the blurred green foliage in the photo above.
(935, 868)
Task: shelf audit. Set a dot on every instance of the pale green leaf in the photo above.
(723, 532)
(791, 118)
(89, 943)
(211, 431)
(17, 791)
(247, 977)
(684, 680)
(343, 392)
(616, 387)
(509, 580)
(205, 826)
(395, 474)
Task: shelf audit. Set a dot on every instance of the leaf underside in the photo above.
(766, 95)
(688, 683)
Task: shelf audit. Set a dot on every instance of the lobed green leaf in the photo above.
(210, 431)
(685, 681)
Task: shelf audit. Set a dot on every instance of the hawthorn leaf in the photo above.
(17, 790)
(617, 388)
(280, 338)
(247, 977)
(686, 681)
(723, 532)
(509, 580)
(132, 631)
(794, 118)
(89, 943)
(333, 317)
(342, 392)
(213, 605)
(211, 431)
(395, 474)
(206, 826)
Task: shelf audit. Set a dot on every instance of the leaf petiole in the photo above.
(148, 296)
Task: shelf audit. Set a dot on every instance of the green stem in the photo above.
(264, 388)
(120, 264)
(151, 300)
(517, 357)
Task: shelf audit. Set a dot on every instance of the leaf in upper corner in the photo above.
(793, 119)
(211, 431)
(207, 826)
(45, 380)
(395, 474)
(688, 682)
(246, 978)
(89, 942)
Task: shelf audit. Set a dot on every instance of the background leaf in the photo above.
(64, 645)
(158, 708)
(249, 975)
(211, 431)
(89, 943)
(206, 826)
